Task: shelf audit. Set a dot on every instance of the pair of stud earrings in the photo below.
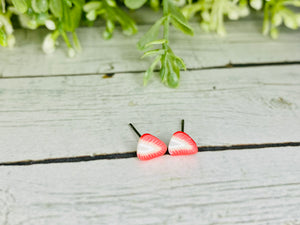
(150, 147)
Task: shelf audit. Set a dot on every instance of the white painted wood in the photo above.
(85, 115)
(243, 44)
(254, 187)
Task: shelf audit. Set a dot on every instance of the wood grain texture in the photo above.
(85, 115)
(244, 44)
(256, 187)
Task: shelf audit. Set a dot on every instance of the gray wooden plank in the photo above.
(256, 187)
(244, 44)
(85, 115)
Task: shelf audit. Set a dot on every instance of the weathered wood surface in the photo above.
(66, 116)
(244, 44)
(233, 187)
(85, 115)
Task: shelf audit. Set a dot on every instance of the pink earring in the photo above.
(181, 143)
(149, 146)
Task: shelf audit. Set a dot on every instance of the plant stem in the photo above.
(76, 41)
(66, 39)
(3, 6)
(166, 23)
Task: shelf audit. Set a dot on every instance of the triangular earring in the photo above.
(149, 146)
(181, 143)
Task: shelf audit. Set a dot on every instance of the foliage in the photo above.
(62, 17)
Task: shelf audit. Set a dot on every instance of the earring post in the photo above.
(135, 130)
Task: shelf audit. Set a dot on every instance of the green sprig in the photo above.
(170, 63)
(277, 13)
(63, 17)
(112, 14)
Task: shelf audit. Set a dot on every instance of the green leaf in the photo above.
(154, 4)
(190, 10)
(277, 19)
(151, 34)
(115, 14)
(180, 63)
(79, 3)
(178, 20)
(177, 15)
(289, 19)
(128, 25)
(56, 7)
(71, 16)
(150, 70)
(21, 5)
(135, 4)
(153, 52)
(175, 11)
(185, 28)
(67, 18)
(111, 3)
(76, 12)
(293, 2)
(76, 42)
(67, 2)
(107, 35)
(274, 33)
(90, 6)
(66, 39)
(110, 26)
(170, 69)
(39, 6)
(164, 71)
(173, 75)
(91, 15)
(156, 42)
(3, 38)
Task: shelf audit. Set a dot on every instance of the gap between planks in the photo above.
(127, 155)
(76, 116)
(249, 187)
(110, 75)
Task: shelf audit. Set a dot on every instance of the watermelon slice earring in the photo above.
(181, 143)
(148, 146)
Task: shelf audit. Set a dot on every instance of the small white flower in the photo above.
(71, 52)
(11, 40)
(205, 15)
(204, 26)
(8, 28)
(221, 30)
(50, 25)
(244, 11)
(256, 4)
(13, 10)
(233, 15)
(32, 24)
(49, 44)
(290, 22)
(27, 22)
(274, 33)
(111, 3)
(91, 6)
(91, 15)
(7, 25)
(277, 19)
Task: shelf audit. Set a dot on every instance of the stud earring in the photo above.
(181, 143)
(149, 146)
